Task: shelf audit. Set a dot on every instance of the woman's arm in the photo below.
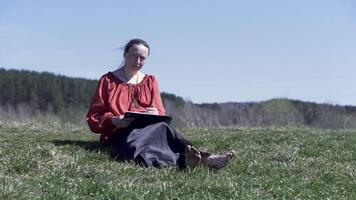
(156, 97)
(99, 116)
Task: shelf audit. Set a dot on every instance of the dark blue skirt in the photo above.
(157, 145)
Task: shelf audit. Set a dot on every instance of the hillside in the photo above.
(54, 161)
(47, 97)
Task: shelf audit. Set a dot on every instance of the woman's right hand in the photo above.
(121, 121)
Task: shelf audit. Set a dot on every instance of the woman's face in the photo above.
(136, 56)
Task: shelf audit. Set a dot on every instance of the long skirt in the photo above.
(157, 145)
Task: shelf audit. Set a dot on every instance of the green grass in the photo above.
(53, 161)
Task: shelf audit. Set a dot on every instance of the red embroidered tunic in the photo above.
(113, 97)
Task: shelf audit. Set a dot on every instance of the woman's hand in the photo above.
(152, 110)
(121, 121)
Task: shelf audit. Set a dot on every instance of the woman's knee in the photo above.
(160, 125)
(163, 124)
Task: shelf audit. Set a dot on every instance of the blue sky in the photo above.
(203, 51)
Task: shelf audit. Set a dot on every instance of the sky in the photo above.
(204, 51)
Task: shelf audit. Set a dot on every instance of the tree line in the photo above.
(30, 94)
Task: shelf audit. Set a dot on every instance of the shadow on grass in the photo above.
(96, 146)
(92, 146)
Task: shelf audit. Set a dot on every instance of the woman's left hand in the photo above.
(152, 110)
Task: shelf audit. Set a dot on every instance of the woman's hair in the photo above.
(136, 42)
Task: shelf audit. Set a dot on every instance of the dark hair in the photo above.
(136, 42)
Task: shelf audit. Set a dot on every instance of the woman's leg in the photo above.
(192, 156)
(160, 145)
(157, 145)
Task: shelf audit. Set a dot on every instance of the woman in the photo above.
(128, 89)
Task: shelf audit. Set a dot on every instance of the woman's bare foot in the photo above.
(192, 156)
(218, 161)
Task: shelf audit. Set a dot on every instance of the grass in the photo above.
(63, 161)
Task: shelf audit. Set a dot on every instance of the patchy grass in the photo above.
(54, 161)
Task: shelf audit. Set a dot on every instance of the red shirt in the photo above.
(113, 97)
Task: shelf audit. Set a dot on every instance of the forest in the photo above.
(30, 95)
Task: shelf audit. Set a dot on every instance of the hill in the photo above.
(56, 161)
(47, 97)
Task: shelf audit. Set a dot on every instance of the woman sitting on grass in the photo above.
(156, 145)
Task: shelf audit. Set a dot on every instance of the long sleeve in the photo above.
(156, 97)
(99, 116)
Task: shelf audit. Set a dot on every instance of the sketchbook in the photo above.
(144, 119)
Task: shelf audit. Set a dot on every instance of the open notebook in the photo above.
(144, 119)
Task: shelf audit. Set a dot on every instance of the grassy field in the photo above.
(53, 161)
